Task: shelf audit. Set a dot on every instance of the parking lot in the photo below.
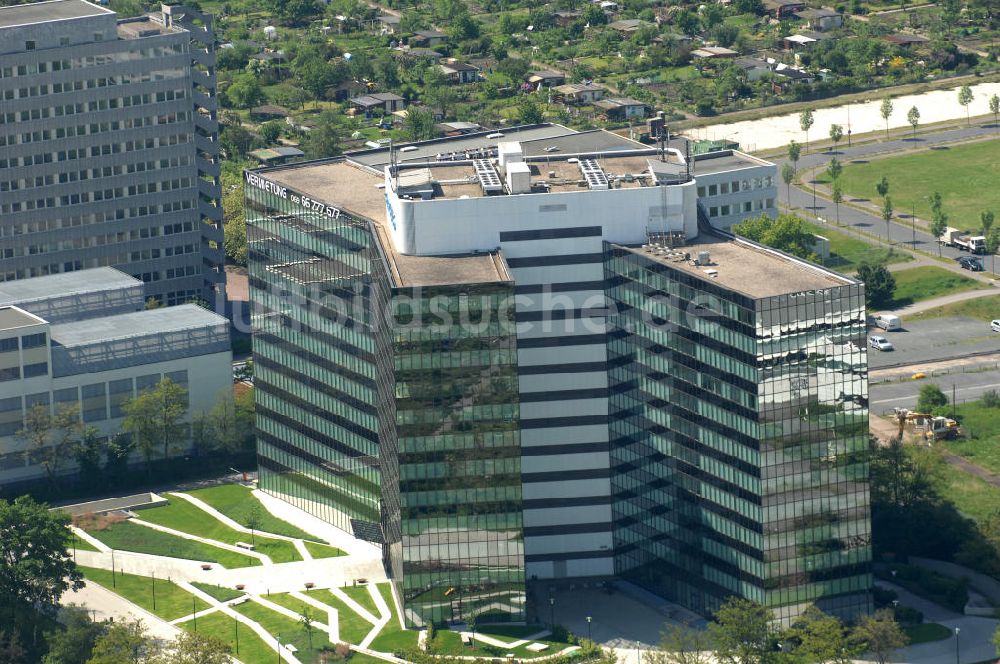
(936, 339)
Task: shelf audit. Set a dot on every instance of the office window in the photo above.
(33, 340)
(95, 402)
(8, 345)
(37, 399)
(38, 369)
(29, 45)
(143, 383)
(13, 373)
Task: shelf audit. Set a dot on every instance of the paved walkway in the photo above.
(104, 604)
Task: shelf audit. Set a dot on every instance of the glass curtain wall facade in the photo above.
(739, 441)
(323, 396)
(459, 445)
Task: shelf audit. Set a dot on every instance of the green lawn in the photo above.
(286, 630)
(181, 515)
(392, 638)
(80, 544)
(924, 283)
(361, 595)
(847, 252)
(971, 496)
(353, 628)
(982, 308)
(220, 593)
(981, 426)
(126, 536)
(513, 632)
(235, 501)
(172, 601)
(927, 632)
(322, 550)
(251, 650)
(298, 606)
(966, 176)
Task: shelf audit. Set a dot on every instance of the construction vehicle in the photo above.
(928, 427)
(953, 237)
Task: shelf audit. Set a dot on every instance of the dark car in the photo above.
(971, 263)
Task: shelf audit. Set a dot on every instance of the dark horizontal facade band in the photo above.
(566, 475)
(567, 287)
(559, 557)
(568, 340)
(547, 261)
(554, 503)
(560, 314)
(555, 450)
(550, 233)
(574, 367)
(554, 422)
(564, 395)
(567, 529)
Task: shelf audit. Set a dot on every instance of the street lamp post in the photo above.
(957, 630)
(113, 584)
(589, 636)
(552, 612)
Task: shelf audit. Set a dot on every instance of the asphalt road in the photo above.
(968, 386)
(900, 230)
(933, 340)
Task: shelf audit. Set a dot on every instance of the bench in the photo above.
(246, 545)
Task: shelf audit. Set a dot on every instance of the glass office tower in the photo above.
(459, 453)
(389, 411)
(739, 439)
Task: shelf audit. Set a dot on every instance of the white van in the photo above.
(888, 322)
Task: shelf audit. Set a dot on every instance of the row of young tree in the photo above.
(154, 424)
(744, 632)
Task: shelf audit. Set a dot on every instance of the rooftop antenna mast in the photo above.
(393, 167)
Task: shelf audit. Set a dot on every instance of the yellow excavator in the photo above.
(929, 427)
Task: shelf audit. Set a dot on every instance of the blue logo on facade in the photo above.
(390, 212)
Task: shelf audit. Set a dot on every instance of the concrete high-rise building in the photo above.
(536, 355)
(109, 146)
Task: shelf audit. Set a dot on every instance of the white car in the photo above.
(880, 343)
(995, 325)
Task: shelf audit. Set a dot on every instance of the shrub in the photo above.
(991, 399)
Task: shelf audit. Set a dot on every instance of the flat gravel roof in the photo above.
(54, 10)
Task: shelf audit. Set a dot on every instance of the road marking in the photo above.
(959, 389)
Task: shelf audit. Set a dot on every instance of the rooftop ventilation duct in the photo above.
(593, 174)
(488, 178)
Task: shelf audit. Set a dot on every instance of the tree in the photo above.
(834, 169)
(820, 638)
(742, 632)
(88, 451)
(154, 417)
(244, 91)
(195, 648)
(986, 220)
(913, 117)
(234, 226)
(992, 246)
(252, 520)
(125, 642)
(806, 122)
(786, 233)
(794, 152)
(271, 131)
(881, 635)
(306, 623)
(965, 98)
(528, 111)
(787, 175)
(50, 437)
(74, 642)
(837, 194)
(324, 139)
(887, 216)
(11, 650)
(836, 133)
(35, 566)
(939, 220)
(681, 644)
(879, 284)
(231, 422)
(886, 111)
(930, 397)
(995, 109)
(419, 124)
(882, 187)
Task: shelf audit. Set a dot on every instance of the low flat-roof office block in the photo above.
(109, 146)
(438, 335)
(96, 356)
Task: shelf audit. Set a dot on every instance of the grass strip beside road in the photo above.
(181, 515)
(236, 501)
(125, 536)
(916, 284)
(172, 601)
(251, 649)
(984, 308)
(847, 252)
